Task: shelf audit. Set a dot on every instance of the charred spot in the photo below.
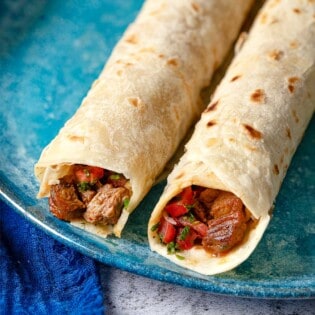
(294, 44)
(172, 62)
(288, 133)
(295, 116)
(293, 80)
(297, 10)
(276, 54)
(276, 169)
(211, 123)
(291, 88)
(161, 56)
(235, 78)
(212, 106)
(119, 72)
(195, 7)
(132, 39)
(253, 132)
(134, 101)
(258, 96)
(263, 18)
(180, 175)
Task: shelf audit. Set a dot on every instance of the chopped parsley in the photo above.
(114, 176)
(184, 233)
(171, 248)
(126, 202)
(180, 257)
(83, 186)
(155, 227)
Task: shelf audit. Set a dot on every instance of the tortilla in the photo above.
(147, 96)
(246, 137)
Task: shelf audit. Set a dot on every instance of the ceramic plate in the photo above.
(50, 53)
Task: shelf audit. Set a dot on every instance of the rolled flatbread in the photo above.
(241, 148)
(138, 110)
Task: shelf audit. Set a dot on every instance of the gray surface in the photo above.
(128, 294)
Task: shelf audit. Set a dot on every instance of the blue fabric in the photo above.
(39, 275)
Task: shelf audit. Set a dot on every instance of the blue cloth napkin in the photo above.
(39, 275)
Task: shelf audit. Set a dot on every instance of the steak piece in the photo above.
(107, 204)
(64, 201)
(225, 232)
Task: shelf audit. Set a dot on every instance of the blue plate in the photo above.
(50, 53)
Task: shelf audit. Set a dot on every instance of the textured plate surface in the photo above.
(50, 53)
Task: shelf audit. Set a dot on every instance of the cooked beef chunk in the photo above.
(225, 203)
(64, 201)
(225, 232)
(200, 212)
(87, 196)
(207, 196)
(106, 205)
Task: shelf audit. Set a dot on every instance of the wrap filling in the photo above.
(91, 192)
(215, 219)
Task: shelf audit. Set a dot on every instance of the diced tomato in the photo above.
(88, 174)
(188, 241)
(166, 231)
(175, 209)
(187, 196)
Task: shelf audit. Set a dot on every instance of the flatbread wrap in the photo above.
(218, 199)
(107, 156)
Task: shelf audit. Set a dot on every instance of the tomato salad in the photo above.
(214, 219)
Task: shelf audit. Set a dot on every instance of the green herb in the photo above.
(171, 248)
(114, 176)
(179, 257)
(83, 186)
(184, 233)
(126, 202)
(191, 217)
(155, 227)
(189, 207)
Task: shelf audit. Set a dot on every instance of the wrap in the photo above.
(245, 139)
(147, 96)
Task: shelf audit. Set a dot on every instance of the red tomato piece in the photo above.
(88, 174)
(175, 209)
(188, 241)
(187, 196)
(166, 231)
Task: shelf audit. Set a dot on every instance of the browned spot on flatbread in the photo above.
(161, 56)
(212, 106)
(291, 88)
(253, 132)
(134, 101)
(294, 44)
(211, 123)
(292, 81)
(263, 18)
(295, 116)
(180, 175)
(276, 54)
(119, 72)
(172, 62)
(147, 49)
(195, 6)
(132, 39)
(236, 77)
(297, 10)
(76, 138)
(276, 169)
(288, 133)
(258, 96)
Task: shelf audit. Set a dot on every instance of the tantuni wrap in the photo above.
(107, 156)
(218, 199)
